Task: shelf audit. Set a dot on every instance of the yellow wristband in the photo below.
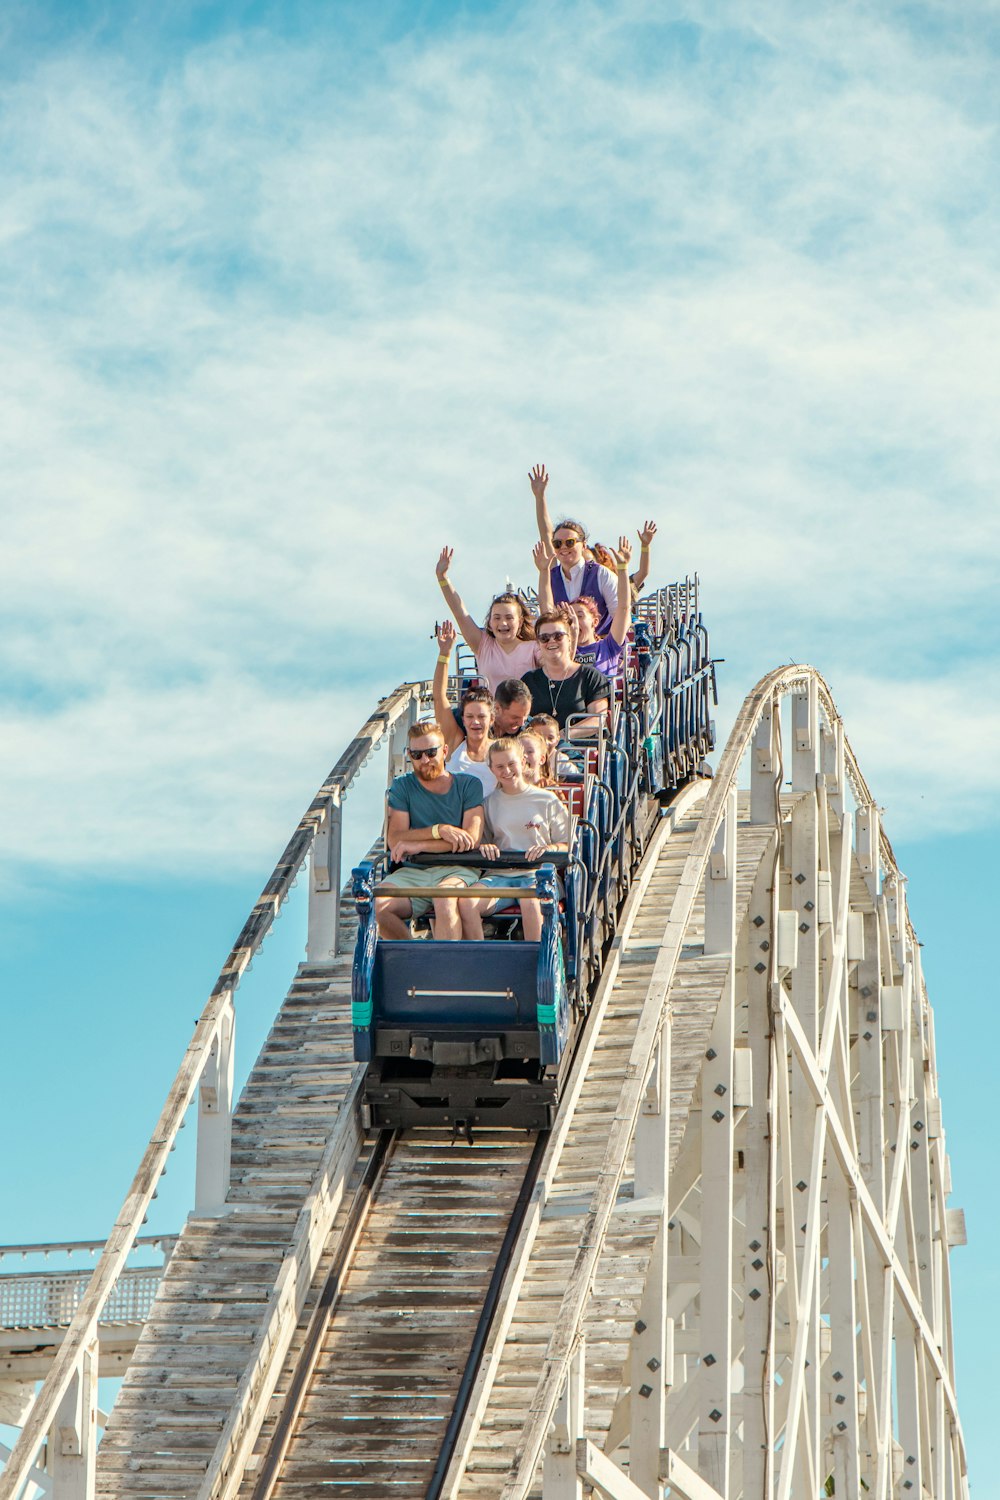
(445, 658)
(436, 831)
(643, 549)
(443, 582)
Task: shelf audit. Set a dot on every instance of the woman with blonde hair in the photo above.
(505, 645)
(520, 819)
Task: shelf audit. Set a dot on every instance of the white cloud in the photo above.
(288, 319)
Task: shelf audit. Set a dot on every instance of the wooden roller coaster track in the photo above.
(724, 1272)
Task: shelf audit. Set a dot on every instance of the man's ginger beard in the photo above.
(429, 770)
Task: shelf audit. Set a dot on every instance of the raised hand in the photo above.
(446, 635)
(544, 559)
(624, 551)
(539, 481)
(444, 562)
(647, 533)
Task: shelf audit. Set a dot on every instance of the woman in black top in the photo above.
(561, 686)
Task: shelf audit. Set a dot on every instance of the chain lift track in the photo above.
(722, 1270)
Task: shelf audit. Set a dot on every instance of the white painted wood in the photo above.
(720, 884)
(651, 1353)
(598, 1470)
(73, 1439)
(325, 881)
(215, 1119)
(684, 1483)
(561, 1479)
(764, 766)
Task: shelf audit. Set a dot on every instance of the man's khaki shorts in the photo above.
(429, 875)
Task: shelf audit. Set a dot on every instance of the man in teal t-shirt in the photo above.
(431, 810)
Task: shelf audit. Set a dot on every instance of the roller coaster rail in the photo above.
(746, 1198)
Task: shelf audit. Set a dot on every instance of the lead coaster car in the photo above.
(461, 1033)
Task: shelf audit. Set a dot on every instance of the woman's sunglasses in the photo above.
(419, 754)
(566, 541)
(552, 635)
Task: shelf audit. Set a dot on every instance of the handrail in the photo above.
(132, 1213)
(566, 1335)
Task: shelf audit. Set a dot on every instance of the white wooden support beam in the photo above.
(215, 1120)
(398, 763)
(841, 1369)
(717, 1146)
(651, 1352)
(73, 1439)
(323, 938)
(805, 738)
(832, 764)
(720, 885)
(684, 1483)
(560, 1479)
(764, 762)
(760, 1175)
(597, 1469)
(867, 839)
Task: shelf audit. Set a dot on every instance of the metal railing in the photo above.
(51, 1299)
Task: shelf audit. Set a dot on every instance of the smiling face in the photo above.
(505, 622)
(509, 719)
(586, 622)
(508, 768)
(427, 767)
(533, 751)
(476, 719)
(554, 644)
(568, 546)
(548, 733)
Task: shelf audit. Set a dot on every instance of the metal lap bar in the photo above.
(460, 892)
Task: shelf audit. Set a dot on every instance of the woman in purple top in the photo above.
(573, 574)
(605, 652)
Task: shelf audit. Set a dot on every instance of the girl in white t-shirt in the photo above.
(521, 819)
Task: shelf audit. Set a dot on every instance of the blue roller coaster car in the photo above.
(465, 1033)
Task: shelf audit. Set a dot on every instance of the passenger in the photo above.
(572, 574)
(559, 767)
(536, 758)
(468, 742)
(511, 706)
(521, 819)
(505, 645)
(561, 686)
(646, 535)
(431, 810)
(605, 652)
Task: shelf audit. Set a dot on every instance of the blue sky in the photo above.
(293, 295)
